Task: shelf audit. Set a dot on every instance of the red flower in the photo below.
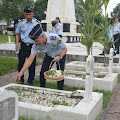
(44, 98)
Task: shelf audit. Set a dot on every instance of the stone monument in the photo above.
(89, 78)
(8, 105)
(65, 10)
(111, 61)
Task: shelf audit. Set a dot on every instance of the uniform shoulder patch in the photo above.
(53, 37)
(38, 21)
(20, 20)
(59, 40)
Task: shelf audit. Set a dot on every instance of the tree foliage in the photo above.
(116, 11)
(90, 30)
(40, 7)
(11, 9)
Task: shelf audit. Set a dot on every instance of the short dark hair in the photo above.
(53, 23)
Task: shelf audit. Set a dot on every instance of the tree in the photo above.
(11, 9)
(116, 11)
(39, 8)
(80, 16)
(90, 31)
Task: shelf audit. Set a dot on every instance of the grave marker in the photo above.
(89, 78)
(8, 105)
(111, 61)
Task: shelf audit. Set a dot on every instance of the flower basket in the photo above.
(54, 75)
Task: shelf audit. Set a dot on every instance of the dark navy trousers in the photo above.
(45, 67)
(117, 44)
(24, 53)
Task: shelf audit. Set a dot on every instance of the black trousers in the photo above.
(45, 66)
(24, 53)
(117, 44)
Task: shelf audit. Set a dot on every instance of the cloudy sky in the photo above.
(112, 4)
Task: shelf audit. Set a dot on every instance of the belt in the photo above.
(27, 44)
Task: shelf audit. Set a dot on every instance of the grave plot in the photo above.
(57, 104)
(81, 66)
(98, 67)
(101, 80)
(8, 105)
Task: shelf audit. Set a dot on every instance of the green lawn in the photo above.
(4, 38)
(8, 65)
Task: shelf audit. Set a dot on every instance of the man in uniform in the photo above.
(54, 26)
(116, 34)
(23, 29)
(55, 50)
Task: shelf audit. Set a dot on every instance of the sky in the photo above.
(112, 4)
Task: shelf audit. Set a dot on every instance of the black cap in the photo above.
(28, 9)
(54, 23)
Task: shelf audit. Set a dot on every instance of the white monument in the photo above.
(89, 78)
(65, 10)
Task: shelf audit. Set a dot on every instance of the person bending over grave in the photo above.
(54, 48)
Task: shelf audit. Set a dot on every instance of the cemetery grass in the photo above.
(9, 65)
(4, 38)
(25, 118)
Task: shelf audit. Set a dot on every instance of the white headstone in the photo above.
(111, 61)
(65, 10)
(9, 39)
(89, 78)
(8, 105)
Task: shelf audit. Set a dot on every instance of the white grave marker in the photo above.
(89, 78)
(9, 39)
(111, 61)
(8, 105)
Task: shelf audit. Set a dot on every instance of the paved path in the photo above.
(73, 48)
(10, 78)
(112, 111)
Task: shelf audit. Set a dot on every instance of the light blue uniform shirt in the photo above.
(59, 29)
(24, 28)
(116, 27)
(110, 33)
(52, 48)
(52, 30)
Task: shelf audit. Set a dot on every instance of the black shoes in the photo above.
(101, 54)
(30, 83)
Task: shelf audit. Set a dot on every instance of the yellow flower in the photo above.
(97, 12)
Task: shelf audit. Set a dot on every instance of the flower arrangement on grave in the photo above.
(54, 75)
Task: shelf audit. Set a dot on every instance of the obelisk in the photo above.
(65, 10)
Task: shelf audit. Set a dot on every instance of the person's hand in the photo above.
(18, 76)
(17, 46)
(56, 59)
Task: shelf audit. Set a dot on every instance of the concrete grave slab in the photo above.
(81, 111)
(8, 105)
